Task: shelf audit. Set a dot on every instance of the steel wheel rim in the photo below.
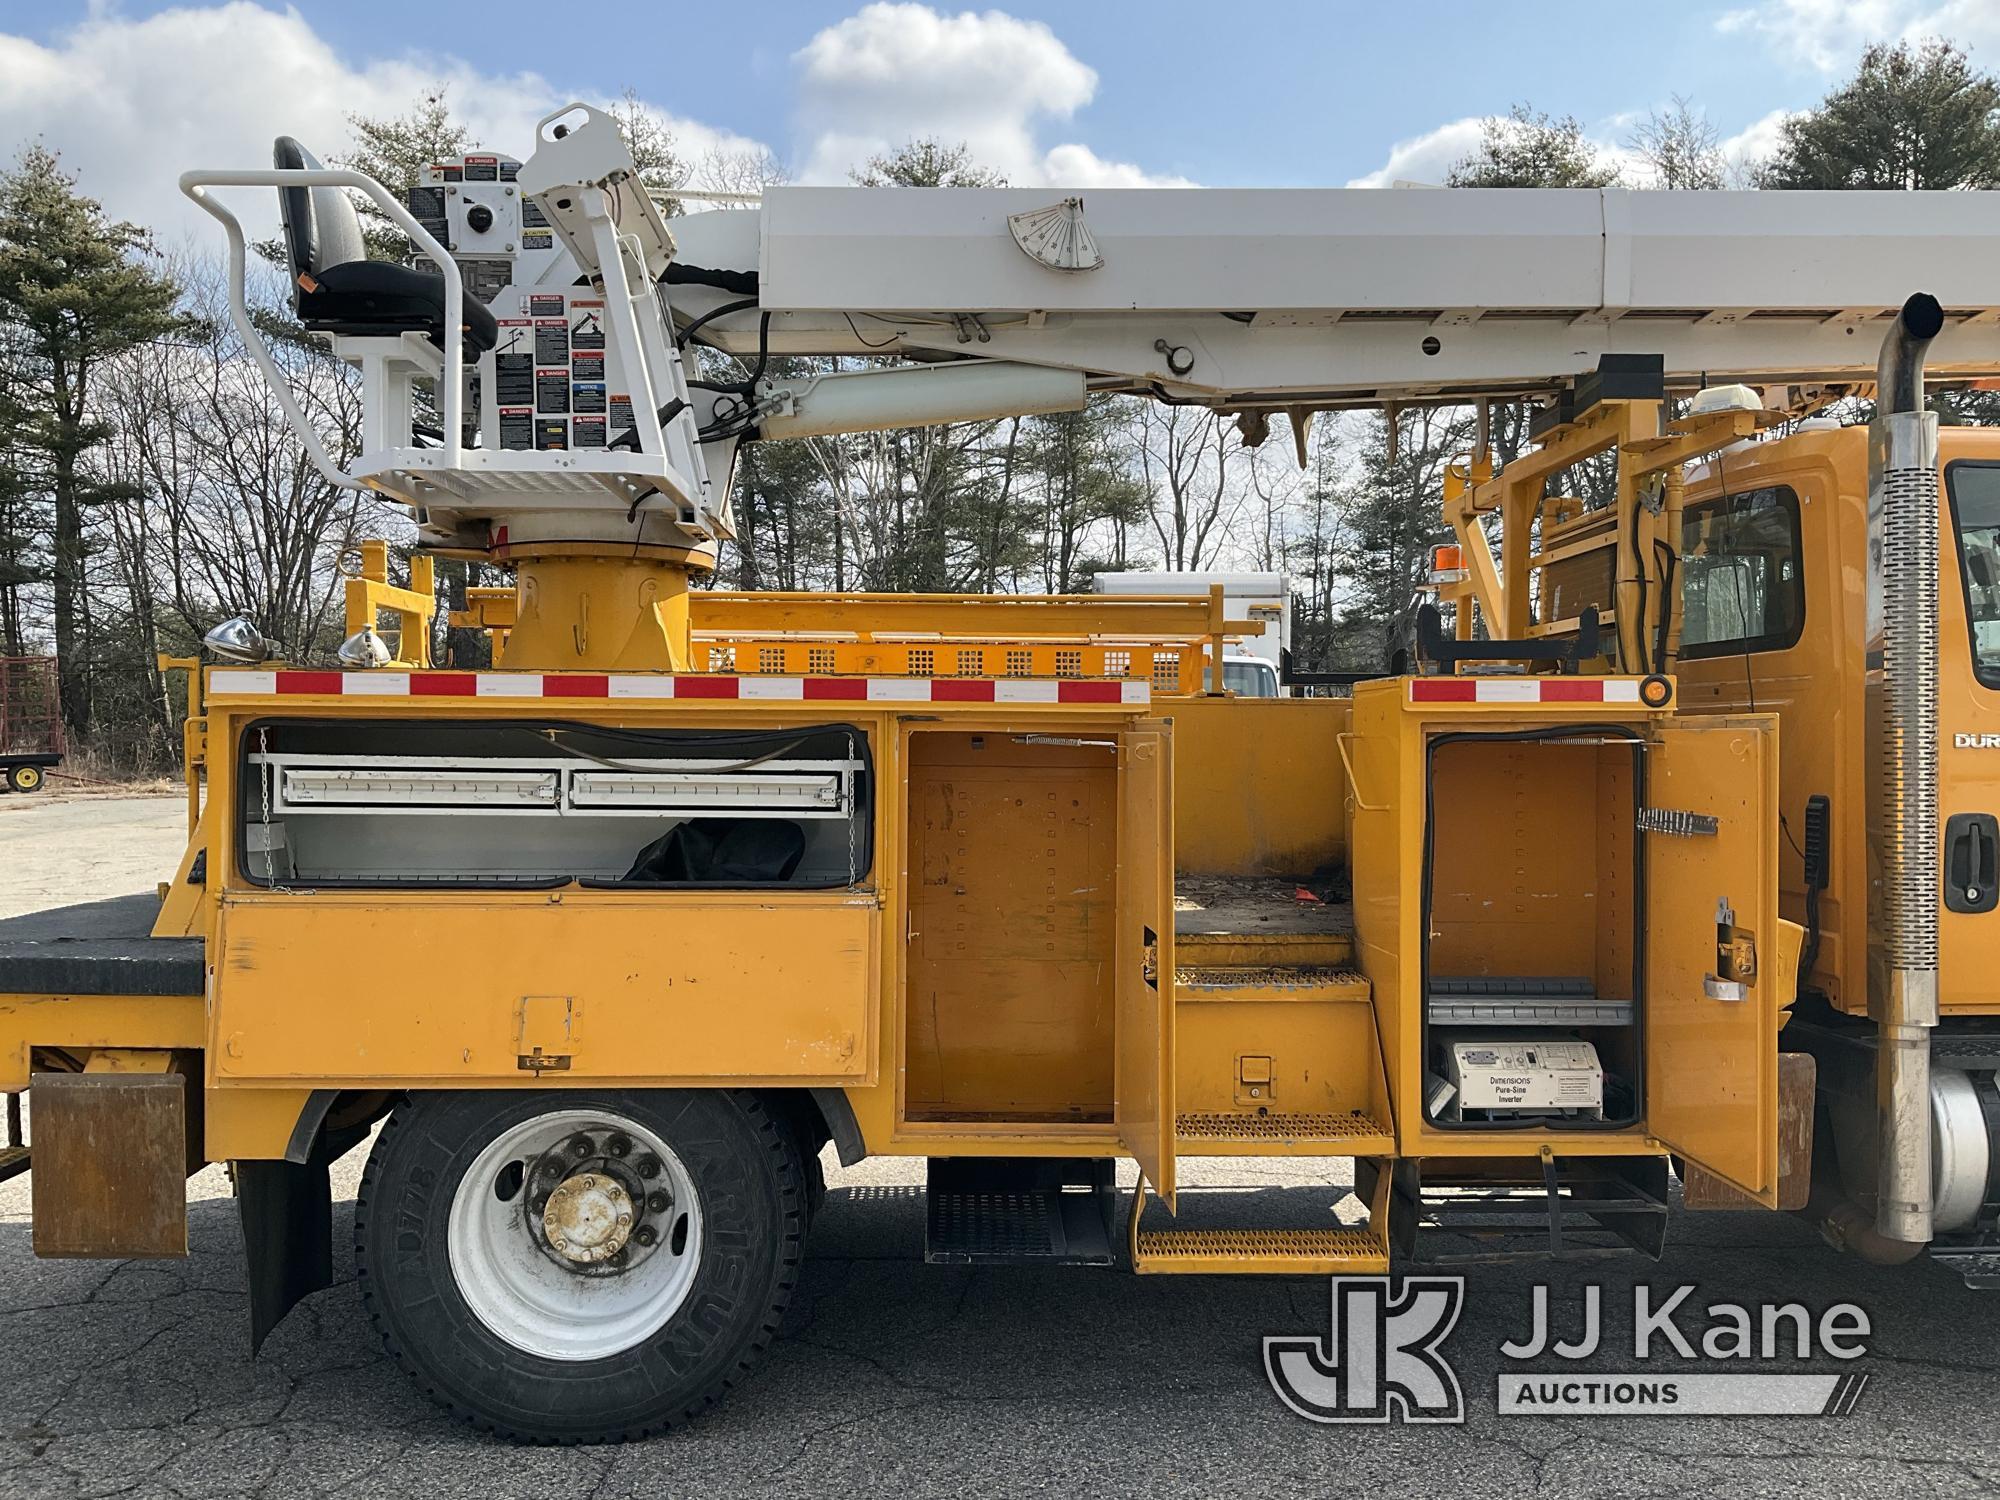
(502, 1255)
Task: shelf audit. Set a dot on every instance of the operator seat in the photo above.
(337, 289)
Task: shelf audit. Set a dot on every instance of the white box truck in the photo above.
(1250, 666)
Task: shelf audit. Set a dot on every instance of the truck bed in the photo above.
(97, 948)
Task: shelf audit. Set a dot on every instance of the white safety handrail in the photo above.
(451, 383)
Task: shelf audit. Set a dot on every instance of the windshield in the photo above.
(1975, 509)
(1247, 679)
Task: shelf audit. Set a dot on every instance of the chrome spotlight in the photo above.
(364, 649)
(236, 639)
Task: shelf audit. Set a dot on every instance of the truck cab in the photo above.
(1774, 564)
(1244, 675)
(1775, 558)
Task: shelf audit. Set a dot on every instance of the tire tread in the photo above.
(778, 1143)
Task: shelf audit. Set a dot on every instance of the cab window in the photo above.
(1742, 584)
(1246, 679)
(1974, 489)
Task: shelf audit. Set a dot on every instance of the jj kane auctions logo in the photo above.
(1382, 1359)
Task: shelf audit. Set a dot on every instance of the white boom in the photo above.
(1361, 296)
(583, 430)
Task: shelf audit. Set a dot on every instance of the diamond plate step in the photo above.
(1303, 982)
(1225, 1134)
(1257, 1252)
(988, 1211)
(13, 1161)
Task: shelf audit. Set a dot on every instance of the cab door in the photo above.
(1719, 964)
(1144, 951)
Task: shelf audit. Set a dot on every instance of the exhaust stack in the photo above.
(1903, 622)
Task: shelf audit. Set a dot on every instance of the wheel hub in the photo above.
(588, 1218)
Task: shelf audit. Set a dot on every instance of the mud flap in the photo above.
(110, 1163)
(1798, 1083)
(287, 1210)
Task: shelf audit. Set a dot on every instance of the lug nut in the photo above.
(648, 1167)
(645, 1234)
(580, 1147)
(538, 1205)
(618, 1145)
(658, 1202)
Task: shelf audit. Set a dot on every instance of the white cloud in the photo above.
(894, 72)
(1828, 38)
(1425, 158)
(131, 104)
(1078, 166)
(1755, 142)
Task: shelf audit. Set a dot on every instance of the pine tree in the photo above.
(75, 291)
(1391, 520)
(394, 150)
(1909, 118)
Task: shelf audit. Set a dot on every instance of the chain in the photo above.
(265, 772)
(853, 821)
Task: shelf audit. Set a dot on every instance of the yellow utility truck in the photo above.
(1644, 861)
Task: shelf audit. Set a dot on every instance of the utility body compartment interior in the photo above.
(535, 803)
(1013, 866)
(1532, 982)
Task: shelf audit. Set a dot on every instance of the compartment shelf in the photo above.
(1484, 1000)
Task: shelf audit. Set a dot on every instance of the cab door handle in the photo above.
(1972, 862)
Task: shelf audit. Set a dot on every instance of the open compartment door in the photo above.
(1716, 987)
(1145, 951)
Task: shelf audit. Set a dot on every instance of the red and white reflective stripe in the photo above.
(230, 682)
(1524, 690)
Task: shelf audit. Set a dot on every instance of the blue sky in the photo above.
(1279, 93)
(1301, 94)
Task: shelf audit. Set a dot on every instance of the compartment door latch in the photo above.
(1735, 958)
(546, 1034)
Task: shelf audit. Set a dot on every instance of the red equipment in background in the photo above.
(31, 727)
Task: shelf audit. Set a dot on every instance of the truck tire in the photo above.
(583, 1265)
(25, 778)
